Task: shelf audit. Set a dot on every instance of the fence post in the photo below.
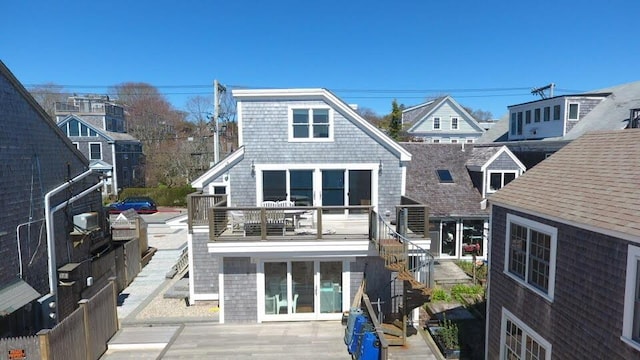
(425, 232)
(45, 346)
(87, 327)
(319, 223)
(114, 289)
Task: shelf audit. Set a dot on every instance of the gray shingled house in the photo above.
(441, 120)
(285, 228)
(97, 127)
(564, 277)
(536, 129)
(47, 192)
(453, 180)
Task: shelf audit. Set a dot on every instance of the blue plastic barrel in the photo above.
(370, 347)
(358, 332)
(348, 332)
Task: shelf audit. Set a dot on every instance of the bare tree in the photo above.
(47, 95)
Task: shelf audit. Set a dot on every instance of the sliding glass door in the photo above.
(309, 289)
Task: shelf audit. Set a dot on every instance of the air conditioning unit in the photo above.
(86, 221)
(69, 271)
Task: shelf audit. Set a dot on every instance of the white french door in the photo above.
(302, 289)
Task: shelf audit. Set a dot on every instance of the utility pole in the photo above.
(217, 91)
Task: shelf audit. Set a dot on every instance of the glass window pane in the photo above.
(74, 128)
(331, 287)
(547, 113)
(94, 152)
(300, 116)
(495, 181)
(301, 183)
(320, 116)
(573, 111)
(508, 177)
(300, 131)
(321, 131)
(556, 112)
(301, 294)
(274, 185)
(536, 115)
(275, 275)
(517, 250)
(539, 258)
(449, 238)
(472, 231)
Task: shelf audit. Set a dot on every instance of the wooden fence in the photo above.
(85, 333)
(24, 347)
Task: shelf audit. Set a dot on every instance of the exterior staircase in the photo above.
(412, 265)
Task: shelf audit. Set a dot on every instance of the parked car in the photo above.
(141, 204)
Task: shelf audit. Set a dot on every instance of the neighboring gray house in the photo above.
(327, 168)
(441, 120)
(97, 127)
(46, 187)
(453, 180)
(564, 278)
(536, 129)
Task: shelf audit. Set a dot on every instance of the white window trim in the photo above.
(439, 123)
(470, 140)
(569, 111)
(101, 152)
(526, 330)
(488, 182)
(76, 144)
(543, 228)
(310, 138)
(457, 122)
(436, 140)
(454, 140)
(633, 255)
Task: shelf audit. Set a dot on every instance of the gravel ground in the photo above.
(169, 309)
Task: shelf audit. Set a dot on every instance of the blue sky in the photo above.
(486, 54)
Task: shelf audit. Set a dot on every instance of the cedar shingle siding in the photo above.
(585, 319)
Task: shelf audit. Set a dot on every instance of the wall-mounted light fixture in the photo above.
(253, 168)
(380, 166)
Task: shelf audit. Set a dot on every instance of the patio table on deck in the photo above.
(294, 215)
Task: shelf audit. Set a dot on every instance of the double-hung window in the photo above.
(454, 123)
(95, 151)
(311, 124)
(436, 123)
(530, 254)
(631, 318)
(518, 341)
(573, 111)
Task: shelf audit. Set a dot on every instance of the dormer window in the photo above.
(444, 176)
(498, 179)
(310, 124)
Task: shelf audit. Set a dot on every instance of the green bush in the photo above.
(163, 196)
(458, 291)
(440, 294)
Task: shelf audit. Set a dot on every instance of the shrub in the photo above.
(458, 291)
(163, 196)
(440, 294)
(467, 266)
(449, 334)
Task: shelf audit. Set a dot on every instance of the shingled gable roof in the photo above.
(424, 110)
(590, 183)
(459, 198)
(17, 85)
(329, 98)
(108, 135)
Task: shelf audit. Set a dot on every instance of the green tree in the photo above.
(395, 121)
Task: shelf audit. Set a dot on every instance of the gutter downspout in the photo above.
(49, 211)
(114, 172)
